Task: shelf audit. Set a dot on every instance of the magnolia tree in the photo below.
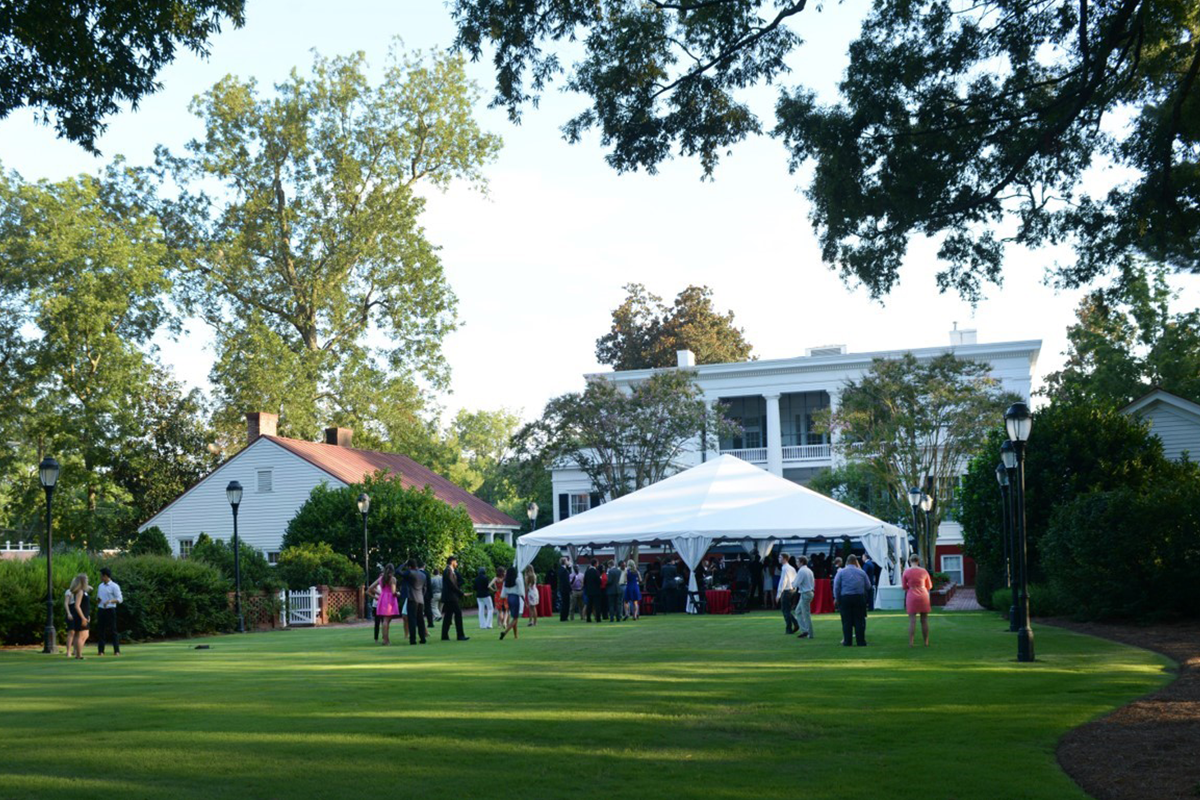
(625, 439)
(909, 422)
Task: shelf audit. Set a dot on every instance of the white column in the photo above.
(835, 402)
(774, 436)
(489, 536)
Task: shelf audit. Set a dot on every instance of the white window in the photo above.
(265, 481)
(273, 557)
(952, 566)
(580, 503)
(185, 548)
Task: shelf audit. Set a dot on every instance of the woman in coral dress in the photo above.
(917, 584)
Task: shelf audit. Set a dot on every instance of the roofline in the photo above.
(1170, 398)
(1031, 347)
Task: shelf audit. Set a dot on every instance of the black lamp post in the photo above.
(927, 505)
(364, 505)
(1008, 460)
(233, 492)
(914, 500)
(1019, 421)
(531, 511)
(48, 475)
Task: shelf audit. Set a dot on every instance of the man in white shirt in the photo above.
(787, 592)
(806, 586)
(109, 597)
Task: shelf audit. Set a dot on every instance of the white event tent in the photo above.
(722, 500)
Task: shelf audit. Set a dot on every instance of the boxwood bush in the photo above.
(23, 595)
(316, 564)
(169, 598)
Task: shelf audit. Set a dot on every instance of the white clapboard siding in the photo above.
(1178, 430)
(262, 516)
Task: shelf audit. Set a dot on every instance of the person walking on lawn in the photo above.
(806, 586)
(850, 589)
(564, 590)
(452, 595)
(787, 592)
(514, 593)
(109, 597)
(415, 579)
(487, 609)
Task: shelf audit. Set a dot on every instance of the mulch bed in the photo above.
(1151, 747)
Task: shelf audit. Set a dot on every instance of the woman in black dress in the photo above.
(79, 610)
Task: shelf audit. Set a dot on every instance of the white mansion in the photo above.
(775, 401)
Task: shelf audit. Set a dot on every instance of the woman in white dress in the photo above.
(532, 595)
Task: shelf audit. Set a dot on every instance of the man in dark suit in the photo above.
(592, 591)
(452, 595)
(613, 590)
(428, 601)
(564, 589)
(669, 586)
(418, 584)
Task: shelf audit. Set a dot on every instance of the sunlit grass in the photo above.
(709, 707)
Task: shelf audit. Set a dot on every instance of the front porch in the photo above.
(779, 430)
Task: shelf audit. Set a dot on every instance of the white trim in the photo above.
(1166, 398)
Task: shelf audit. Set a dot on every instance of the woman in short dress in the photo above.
(633, 590)
(389, 606)
(79, 609)
(514, 591)
(499, 598)
(532, 595)
(917, 583)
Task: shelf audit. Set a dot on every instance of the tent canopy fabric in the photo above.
(725, 499)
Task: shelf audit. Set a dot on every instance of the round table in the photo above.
(719, 601)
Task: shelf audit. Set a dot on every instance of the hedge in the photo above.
(23, 595)
(316, 564)
(1045, 600)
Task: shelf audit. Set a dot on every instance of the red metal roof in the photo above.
(351, 466)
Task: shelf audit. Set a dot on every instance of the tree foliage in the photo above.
(907, 421)
(646, 333)
(77, 61)
(403, 523)
(1127, 340)
(976, 124)
(316, 564)
(297, 234)
(624, 440)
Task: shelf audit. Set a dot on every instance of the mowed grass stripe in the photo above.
(669, 706)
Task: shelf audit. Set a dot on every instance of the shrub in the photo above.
(1129, 554)
(987, 581)
(315, 564)
(150, 542)
(939, 579)
(470, 559)
(257, 573)
(23, 595)
(501, 555)
(167, 597)
(1045, 600)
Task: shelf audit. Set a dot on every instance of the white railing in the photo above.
(748, 454)
(299, 607)
(20, 547)
(807, 452)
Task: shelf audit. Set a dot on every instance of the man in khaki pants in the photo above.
(805, 587)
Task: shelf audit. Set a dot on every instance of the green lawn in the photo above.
(669, 706)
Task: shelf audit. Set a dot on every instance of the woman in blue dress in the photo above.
(633, 590)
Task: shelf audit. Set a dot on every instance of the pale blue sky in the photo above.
(539, 265)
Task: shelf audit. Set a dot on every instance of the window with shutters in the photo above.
(265, 481)
(580, 503)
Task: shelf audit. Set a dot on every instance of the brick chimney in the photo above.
(260, 423)
(339, 436)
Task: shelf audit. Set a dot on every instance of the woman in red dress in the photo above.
(917, 584)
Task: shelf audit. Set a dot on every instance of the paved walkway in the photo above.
(964, 600)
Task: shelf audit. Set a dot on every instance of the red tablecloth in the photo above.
(823, 596)
(545, 602)
(718, 601)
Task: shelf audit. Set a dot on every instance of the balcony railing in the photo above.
(748, 454)
(807, 452)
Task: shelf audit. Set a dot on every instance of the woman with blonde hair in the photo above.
(917, 583)
(79, 608)
(532, 595)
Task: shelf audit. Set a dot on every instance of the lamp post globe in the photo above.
(927, 505)
(364, 505)
(1018, 421)
(48, 476)
(233, 493)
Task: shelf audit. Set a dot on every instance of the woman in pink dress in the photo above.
(917, 584)
(388, 605)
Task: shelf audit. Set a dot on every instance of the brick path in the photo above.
(964, 600)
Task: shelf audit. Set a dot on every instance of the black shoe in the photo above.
(445, 638)
(463, 638)
(802, 636)
(862, 644)
(502, 634)
(422, 641)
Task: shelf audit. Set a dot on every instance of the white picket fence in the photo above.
(299, 607)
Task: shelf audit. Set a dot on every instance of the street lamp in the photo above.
(48, 475)
(927, 504)
(914, 500)
(531, 511)
(1019, 422)
(233, 492)
(364, 505)
(1008, 459)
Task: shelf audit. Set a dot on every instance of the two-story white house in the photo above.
(278, 474)
(775, 402)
